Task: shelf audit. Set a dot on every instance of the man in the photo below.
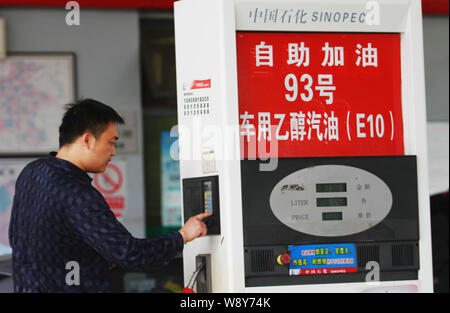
(58, 218)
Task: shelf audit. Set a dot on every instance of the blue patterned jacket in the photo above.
(59, 217)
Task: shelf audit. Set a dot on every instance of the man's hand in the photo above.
(194, 227)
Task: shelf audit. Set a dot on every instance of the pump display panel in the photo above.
(326, 109)
(201, 195)
(317, 220)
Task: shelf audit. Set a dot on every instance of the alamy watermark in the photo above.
(73, 16)
(373, 13)
(374, 272)
(225, 142)
(73, 276)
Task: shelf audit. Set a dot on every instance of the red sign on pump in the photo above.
(319, 94)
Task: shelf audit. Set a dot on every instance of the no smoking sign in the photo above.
(111, 184)
(109, 181)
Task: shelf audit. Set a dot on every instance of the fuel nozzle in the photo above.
(190, 285)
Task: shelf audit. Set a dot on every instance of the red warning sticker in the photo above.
(111, 184)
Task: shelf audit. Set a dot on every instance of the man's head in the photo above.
(88, 134)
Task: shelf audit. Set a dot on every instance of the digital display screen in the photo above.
(333, 187)
(337, 201)
(332, 216)
(207, 197)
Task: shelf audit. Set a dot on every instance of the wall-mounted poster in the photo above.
(170, 181)
(9, 171)
(34, 89)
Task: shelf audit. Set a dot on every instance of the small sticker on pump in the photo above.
(322, 259)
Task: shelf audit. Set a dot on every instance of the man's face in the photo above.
(103, 149)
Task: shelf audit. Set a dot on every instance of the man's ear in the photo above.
(87, 140)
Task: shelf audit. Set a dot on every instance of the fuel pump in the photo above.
(302, 129)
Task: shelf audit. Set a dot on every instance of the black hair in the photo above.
(86, 115)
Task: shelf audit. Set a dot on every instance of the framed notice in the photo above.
(34, 89)
(9, 172)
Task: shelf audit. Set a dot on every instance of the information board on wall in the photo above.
(112, 185)
(170, 182)
(33, 92)
(9, 172)
(319, 94)
(322, 259)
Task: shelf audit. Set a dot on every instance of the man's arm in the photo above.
(94, 223)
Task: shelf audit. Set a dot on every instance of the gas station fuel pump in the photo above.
(302, 129)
